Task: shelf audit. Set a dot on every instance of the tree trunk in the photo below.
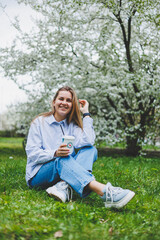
(133, 148)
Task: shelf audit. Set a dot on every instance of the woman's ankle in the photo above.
(97, 187)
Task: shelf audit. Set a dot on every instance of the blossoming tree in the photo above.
(107, 50)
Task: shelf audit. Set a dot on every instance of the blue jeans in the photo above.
(74, 169)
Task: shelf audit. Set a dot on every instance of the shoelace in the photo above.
(110, 191)
(64, 186)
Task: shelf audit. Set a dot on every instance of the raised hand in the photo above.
(84, 106)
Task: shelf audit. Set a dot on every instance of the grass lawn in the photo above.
(30, 214)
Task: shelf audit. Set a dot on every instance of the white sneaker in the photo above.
(61, 191)
(116, 197)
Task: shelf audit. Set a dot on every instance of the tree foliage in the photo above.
(107, 50)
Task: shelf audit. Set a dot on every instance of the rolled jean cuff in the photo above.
(85, 192)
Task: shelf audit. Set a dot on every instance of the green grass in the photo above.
(30, 214)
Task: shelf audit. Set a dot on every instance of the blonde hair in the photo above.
(75, 114)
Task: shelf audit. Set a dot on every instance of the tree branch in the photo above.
(74, 53)
(94, 65)
(125, 40)
(129, 26)
(111, 103)
(127, 107)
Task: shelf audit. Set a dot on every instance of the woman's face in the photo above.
(62, 105)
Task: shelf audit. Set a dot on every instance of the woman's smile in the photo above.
(63, 107)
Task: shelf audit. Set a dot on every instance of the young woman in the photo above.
(50, 166)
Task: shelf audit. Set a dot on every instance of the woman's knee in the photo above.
(92, 151)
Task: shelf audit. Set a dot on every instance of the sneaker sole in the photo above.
(59, 198)
(122, 202)
(54, 196)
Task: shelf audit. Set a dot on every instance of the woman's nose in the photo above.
(64, 102)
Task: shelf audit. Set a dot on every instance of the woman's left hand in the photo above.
(84, 106)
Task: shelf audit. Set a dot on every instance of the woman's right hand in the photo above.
(62, 151)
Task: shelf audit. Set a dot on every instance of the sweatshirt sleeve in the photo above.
(85, 137)
(34, 148)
